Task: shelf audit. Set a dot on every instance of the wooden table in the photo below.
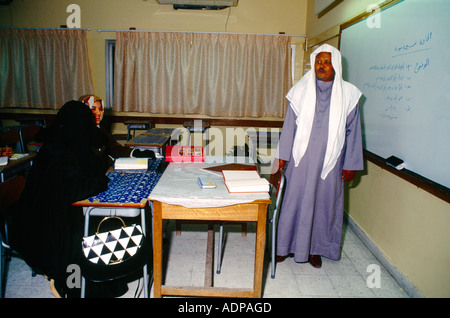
(218, 205)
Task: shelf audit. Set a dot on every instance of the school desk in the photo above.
(178, 196)
(133, 125)
(126, 196)
(194, 126)
(173, 133)
(15, 167)
(155, 143)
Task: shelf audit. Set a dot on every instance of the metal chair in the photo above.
(10, 192)
(277, 187)
(28, 134)
(10, 136)
(120, 212)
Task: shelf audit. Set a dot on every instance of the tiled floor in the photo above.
(348, 277)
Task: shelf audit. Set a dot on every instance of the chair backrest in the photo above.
(278, 185)
(9, 137)
(10, 192)
(28, 133)
(277, 181)
(280, 188)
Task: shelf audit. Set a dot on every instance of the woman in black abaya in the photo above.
(46, 229)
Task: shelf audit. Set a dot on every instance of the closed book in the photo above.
(16, 156)
(131, 164)
(217, 170)
(241, 181)
(395, 162)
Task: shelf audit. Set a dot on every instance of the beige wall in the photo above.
(250, 16)
(408, 225)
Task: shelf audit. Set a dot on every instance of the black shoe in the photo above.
(282, 258)
(315, 261)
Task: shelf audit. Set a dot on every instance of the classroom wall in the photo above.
(250, 16)
(408, 225)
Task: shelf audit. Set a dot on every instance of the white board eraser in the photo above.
(395, 162)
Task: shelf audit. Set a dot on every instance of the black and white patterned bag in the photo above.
(114, 246)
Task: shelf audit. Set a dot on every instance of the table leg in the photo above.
(259, 249)
(157, 249)
(209, 272)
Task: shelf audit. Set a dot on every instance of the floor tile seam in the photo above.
(354, 274)
(325, 295)
(348, 276)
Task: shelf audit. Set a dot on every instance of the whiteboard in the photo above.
(400, 59)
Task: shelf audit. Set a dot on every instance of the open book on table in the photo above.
(245, 181)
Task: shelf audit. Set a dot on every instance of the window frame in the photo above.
(110, 46)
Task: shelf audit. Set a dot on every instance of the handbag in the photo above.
(114, 246)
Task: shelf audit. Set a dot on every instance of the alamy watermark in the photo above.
(74, 278)
(74, 19)
(374, 279)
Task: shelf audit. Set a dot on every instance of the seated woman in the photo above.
(46, 229)
(112, 147)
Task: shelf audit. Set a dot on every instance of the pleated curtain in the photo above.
(230, 75)
(43, 68)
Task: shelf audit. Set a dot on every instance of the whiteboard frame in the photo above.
(428, 185)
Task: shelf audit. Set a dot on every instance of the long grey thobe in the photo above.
(312, 211)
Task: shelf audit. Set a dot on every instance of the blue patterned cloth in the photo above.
(127, 187)
(130, 186)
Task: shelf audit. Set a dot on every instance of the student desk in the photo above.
(173, 133)
(126, 196)
(133, 125)
(14, 167)
(194, 126)
(155, 143)
(261, 144)
(178, 196)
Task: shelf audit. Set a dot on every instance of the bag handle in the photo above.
(107, 218)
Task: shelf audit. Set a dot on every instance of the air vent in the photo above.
(200, 4)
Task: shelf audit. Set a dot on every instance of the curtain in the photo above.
(237, 75)
(43, 68)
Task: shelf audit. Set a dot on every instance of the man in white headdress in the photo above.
(321, 141)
